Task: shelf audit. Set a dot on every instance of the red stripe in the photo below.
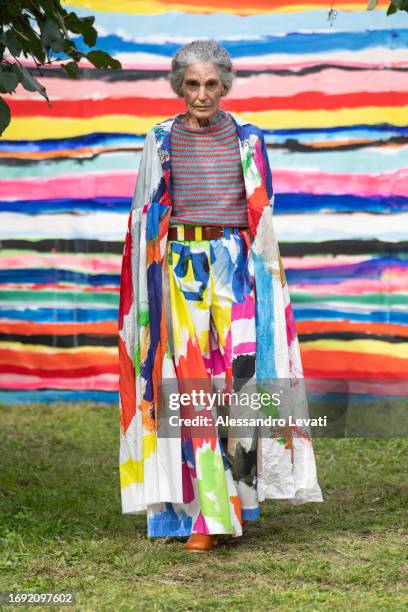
(59, 373)
(145, 107)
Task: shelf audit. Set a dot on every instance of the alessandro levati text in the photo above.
(227, 421)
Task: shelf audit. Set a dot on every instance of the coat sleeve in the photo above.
(149, 172)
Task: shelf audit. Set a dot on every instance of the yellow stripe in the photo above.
(132, 471)
(152, 7)
(42, 127)
(112, 350)
(373, 347)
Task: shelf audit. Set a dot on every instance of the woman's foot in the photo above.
(201, 542)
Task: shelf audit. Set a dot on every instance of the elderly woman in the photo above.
(204, 297)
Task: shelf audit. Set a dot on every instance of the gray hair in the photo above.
(201, 51)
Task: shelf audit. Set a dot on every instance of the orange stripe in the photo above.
(59, 153)
(58, 329)
(63, 360)
(349, 363)
(313, 327)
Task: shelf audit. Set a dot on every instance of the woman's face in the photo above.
(202, 89)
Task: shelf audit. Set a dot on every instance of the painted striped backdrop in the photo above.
(333, 103)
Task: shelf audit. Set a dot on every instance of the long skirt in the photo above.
(212, 299)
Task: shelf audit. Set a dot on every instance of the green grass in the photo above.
(62, 527)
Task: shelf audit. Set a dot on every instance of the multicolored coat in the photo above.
(150, 466)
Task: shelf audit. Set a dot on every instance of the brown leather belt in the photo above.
(208, 232)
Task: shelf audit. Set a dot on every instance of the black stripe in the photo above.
(137, 75)
(60, 245)
(287, 249)
(349, 335)
(342, 247)
(291, 144)
(62, 341)
(82, 340)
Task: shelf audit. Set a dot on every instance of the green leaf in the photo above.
(391, 9)
(9, 40)
(71, 50)
(51, 35)
(371, 5)
(101, 59)
(8, 81)
(71, 69)
(5, 115)
(402, 5)
(84, 26)
(29, 82)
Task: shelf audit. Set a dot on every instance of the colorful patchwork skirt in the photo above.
(212, 305)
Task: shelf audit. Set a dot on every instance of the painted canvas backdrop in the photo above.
(333, 103)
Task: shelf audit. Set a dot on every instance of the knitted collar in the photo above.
(216, 124)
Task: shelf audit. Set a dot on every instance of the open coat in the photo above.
(150, 466)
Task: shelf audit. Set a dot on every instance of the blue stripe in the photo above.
(53, 275)
(48, 396)
(373, 316)
(35, 207)
(292, 43)
(373, 268)
(60, 315)
(285, 203)
(289, 203)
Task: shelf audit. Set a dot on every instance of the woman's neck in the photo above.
(194, 122)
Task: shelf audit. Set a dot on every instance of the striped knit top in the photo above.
(206, 173)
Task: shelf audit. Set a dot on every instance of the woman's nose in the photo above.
(202, 93)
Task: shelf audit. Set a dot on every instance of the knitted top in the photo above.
(206, 173)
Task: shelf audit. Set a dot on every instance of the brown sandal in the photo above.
(201, 542)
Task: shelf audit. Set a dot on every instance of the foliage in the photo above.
(396, 5)
(38, 30)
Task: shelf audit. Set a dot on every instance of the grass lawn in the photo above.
(61, 527)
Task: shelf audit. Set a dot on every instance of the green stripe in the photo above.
(79, 297)
(388, 299)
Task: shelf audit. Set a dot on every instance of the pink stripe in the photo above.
(63, 261)
(245, 310)
(352, 287)
(102, 382)
(299, 263)
(290, 324)
(58, 287)
(123, 183)
(245, 348)
(329, 81)
(385, 184)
